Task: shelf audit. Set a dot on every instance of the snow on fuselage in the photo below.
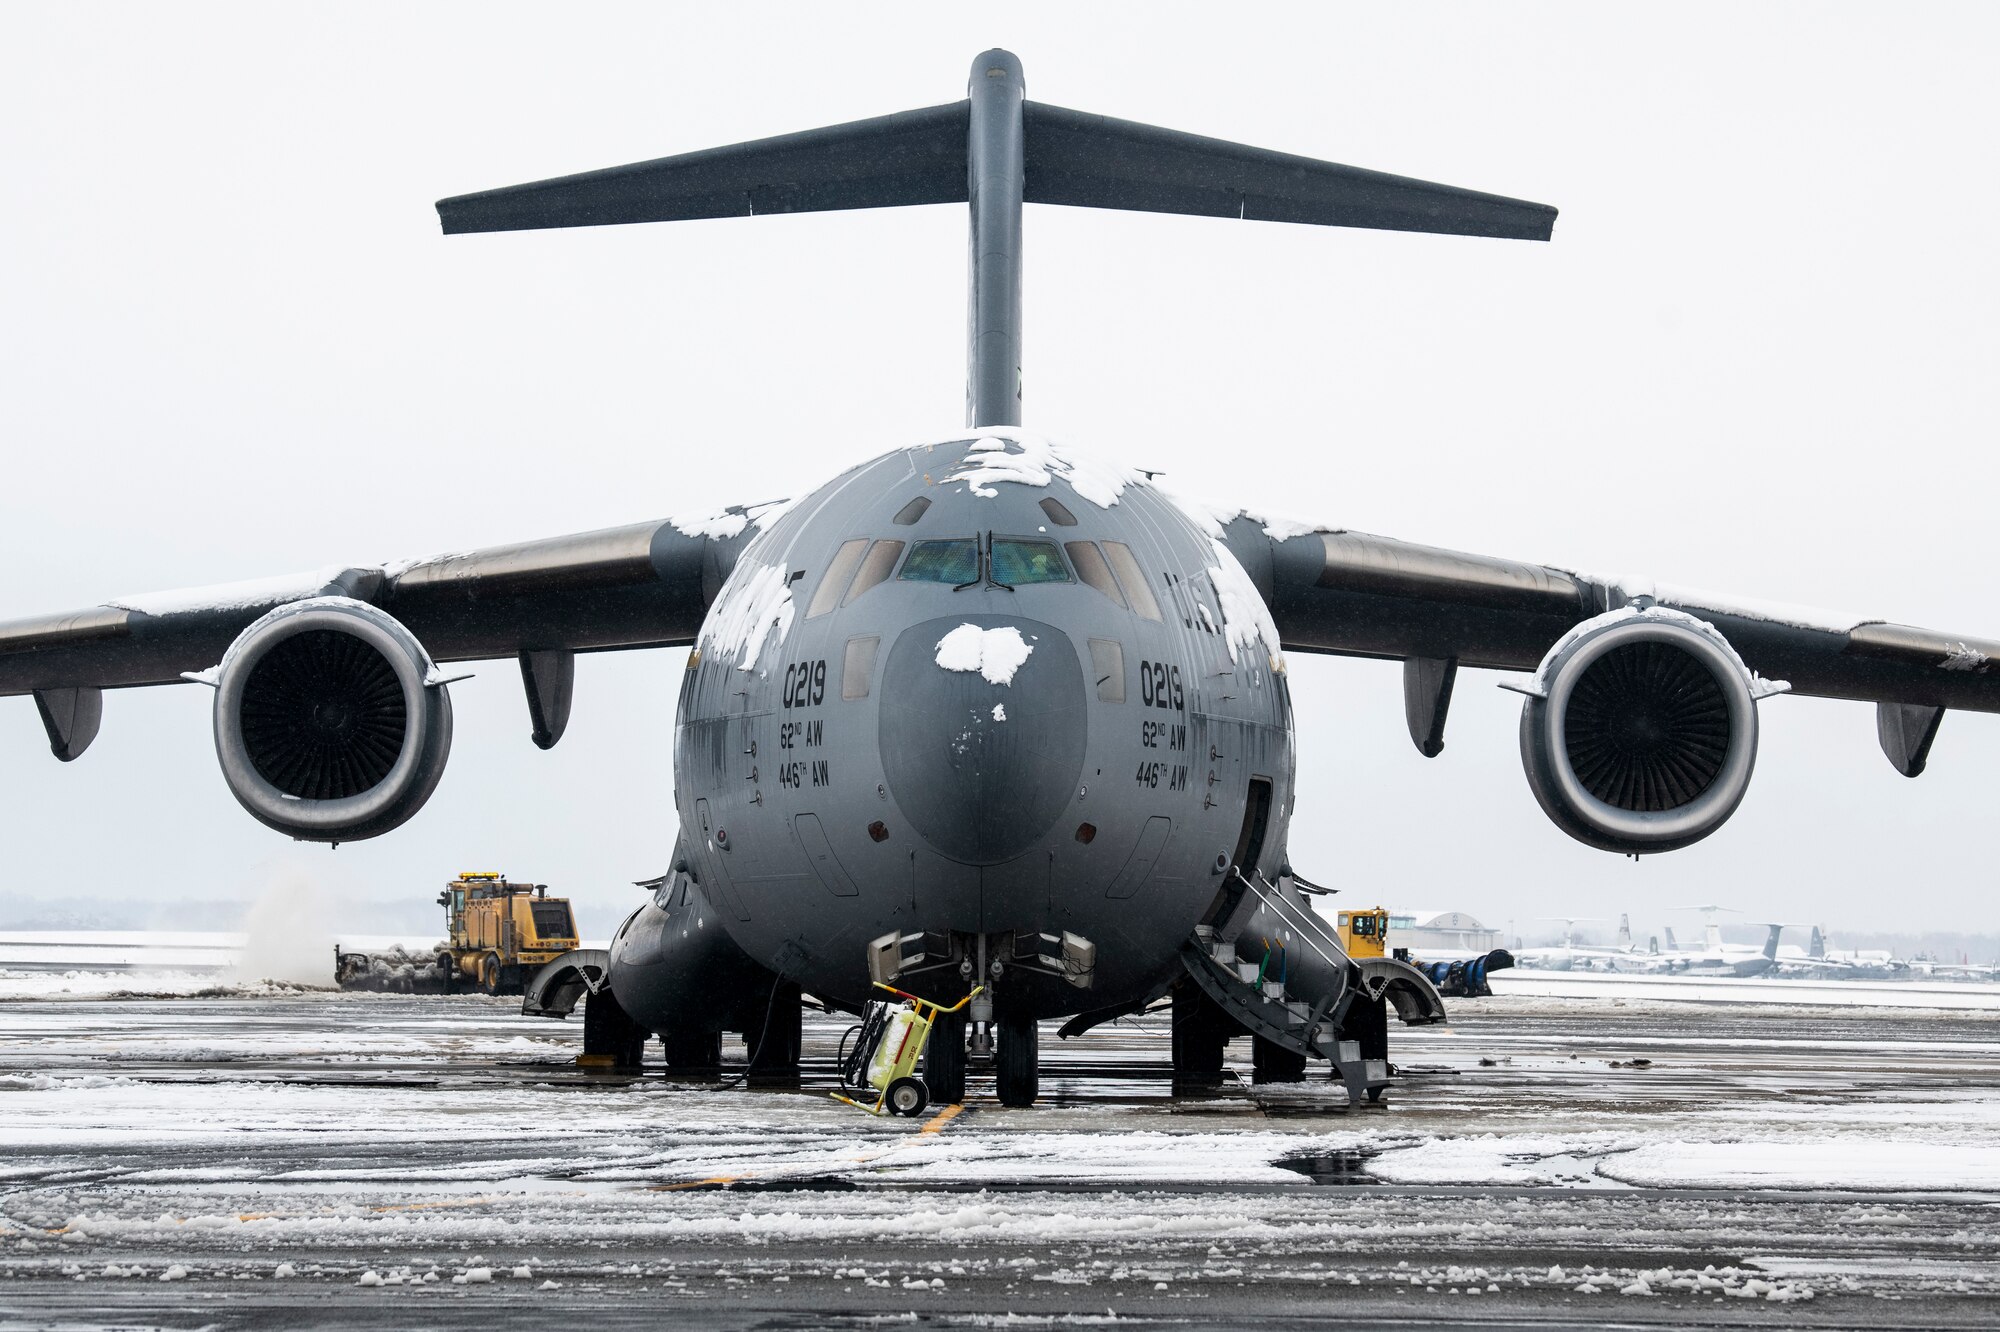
(977, 688)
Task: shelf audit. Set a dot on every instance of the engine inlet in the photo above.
(1643, 732)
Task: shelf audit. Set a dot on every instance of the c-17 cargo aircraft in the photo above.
(981, 710)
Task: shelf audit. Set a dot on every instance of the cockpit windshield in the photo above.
(942, 562)
(1016, 562)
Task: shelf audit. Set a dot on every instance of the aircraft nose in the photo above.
(982, 730)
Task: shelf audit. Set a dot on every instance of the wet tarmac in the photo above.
(294, 1159)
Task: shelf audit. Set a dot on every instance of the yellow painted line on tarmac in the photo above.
(941, 1118)
(710, 1182)
(934, 1125)
(442, 1202)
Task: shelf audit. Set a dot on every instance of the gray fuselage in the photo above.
(838, 780)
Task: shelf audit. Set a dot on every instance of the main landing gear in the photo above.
(610, 1037)
(1201, 1035)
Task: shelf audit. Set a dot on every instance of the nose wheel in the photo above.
(944, 1059)
(1016, 1070)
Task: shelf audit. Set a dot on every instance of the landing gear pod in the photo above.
(1640, 731)
(330, 723)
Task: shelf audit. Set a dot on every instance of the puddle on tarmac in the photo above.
(1346, 1165)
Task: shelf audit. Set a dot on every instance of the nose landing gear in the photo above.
(1016, 1067)
(944, 1059)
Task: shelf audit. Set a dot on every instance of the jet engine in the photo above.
(330, 722)
(1640, 731)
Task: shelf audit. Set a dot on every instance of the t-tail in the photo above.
(995, 151)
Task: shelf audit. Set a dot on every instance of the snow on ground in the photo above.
(1535, 1151)
(31, 985)
(1791, 992)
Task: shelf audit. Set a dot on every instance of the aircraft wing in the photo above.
(645, 585)
(1353, 594)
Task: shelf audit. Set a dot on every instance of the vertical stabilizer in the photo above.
(1624, 932)
(1672, 947)
(1817, 947)
(996, 171)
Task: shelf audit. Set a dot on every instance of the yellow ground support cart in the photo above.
(884, 1051)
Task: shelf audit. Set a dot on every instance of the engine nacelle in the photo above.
(1640, 731)
(328, 724)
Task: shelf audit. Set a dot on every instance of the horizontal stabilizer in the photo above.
(921, 157)
(1097, 162)
(913, 157)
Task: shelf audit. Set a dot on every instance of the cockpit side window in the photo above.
(874, 569)
(1092, 569)
(951, 562)
(839, 572)
(1058, 512)
(1126, 565)
(1016, 561)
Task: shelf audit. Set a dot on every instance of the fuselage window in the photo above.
(1058, 515)
(1107, 663)
(874, 569)
(1126, 566)
(910, 512)
(951, 562)
(839, 572)
(1016, 562)
(1092, 569)
(857, 667)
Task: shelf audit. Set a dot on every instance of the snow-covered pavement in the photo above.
(290, 1156)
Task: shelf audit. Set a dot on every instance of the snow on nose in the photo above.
(982, 730)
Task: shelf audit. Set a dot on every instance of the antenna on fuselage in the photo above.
(996, 151)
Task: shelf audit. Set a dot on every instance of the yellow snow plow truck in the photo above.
(497, 933)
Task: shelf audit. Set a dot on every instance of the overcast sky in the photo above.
(1759, 356)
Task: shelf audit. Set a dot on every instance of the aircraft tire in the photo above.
(692, 1051)
(774, 1041)
(1271, 1062)
(609, 1030)
(1201, 1032)
(1016, 1068)
(944, 1060)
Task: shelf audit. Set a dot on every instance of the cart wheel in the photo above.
(907, 1097)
